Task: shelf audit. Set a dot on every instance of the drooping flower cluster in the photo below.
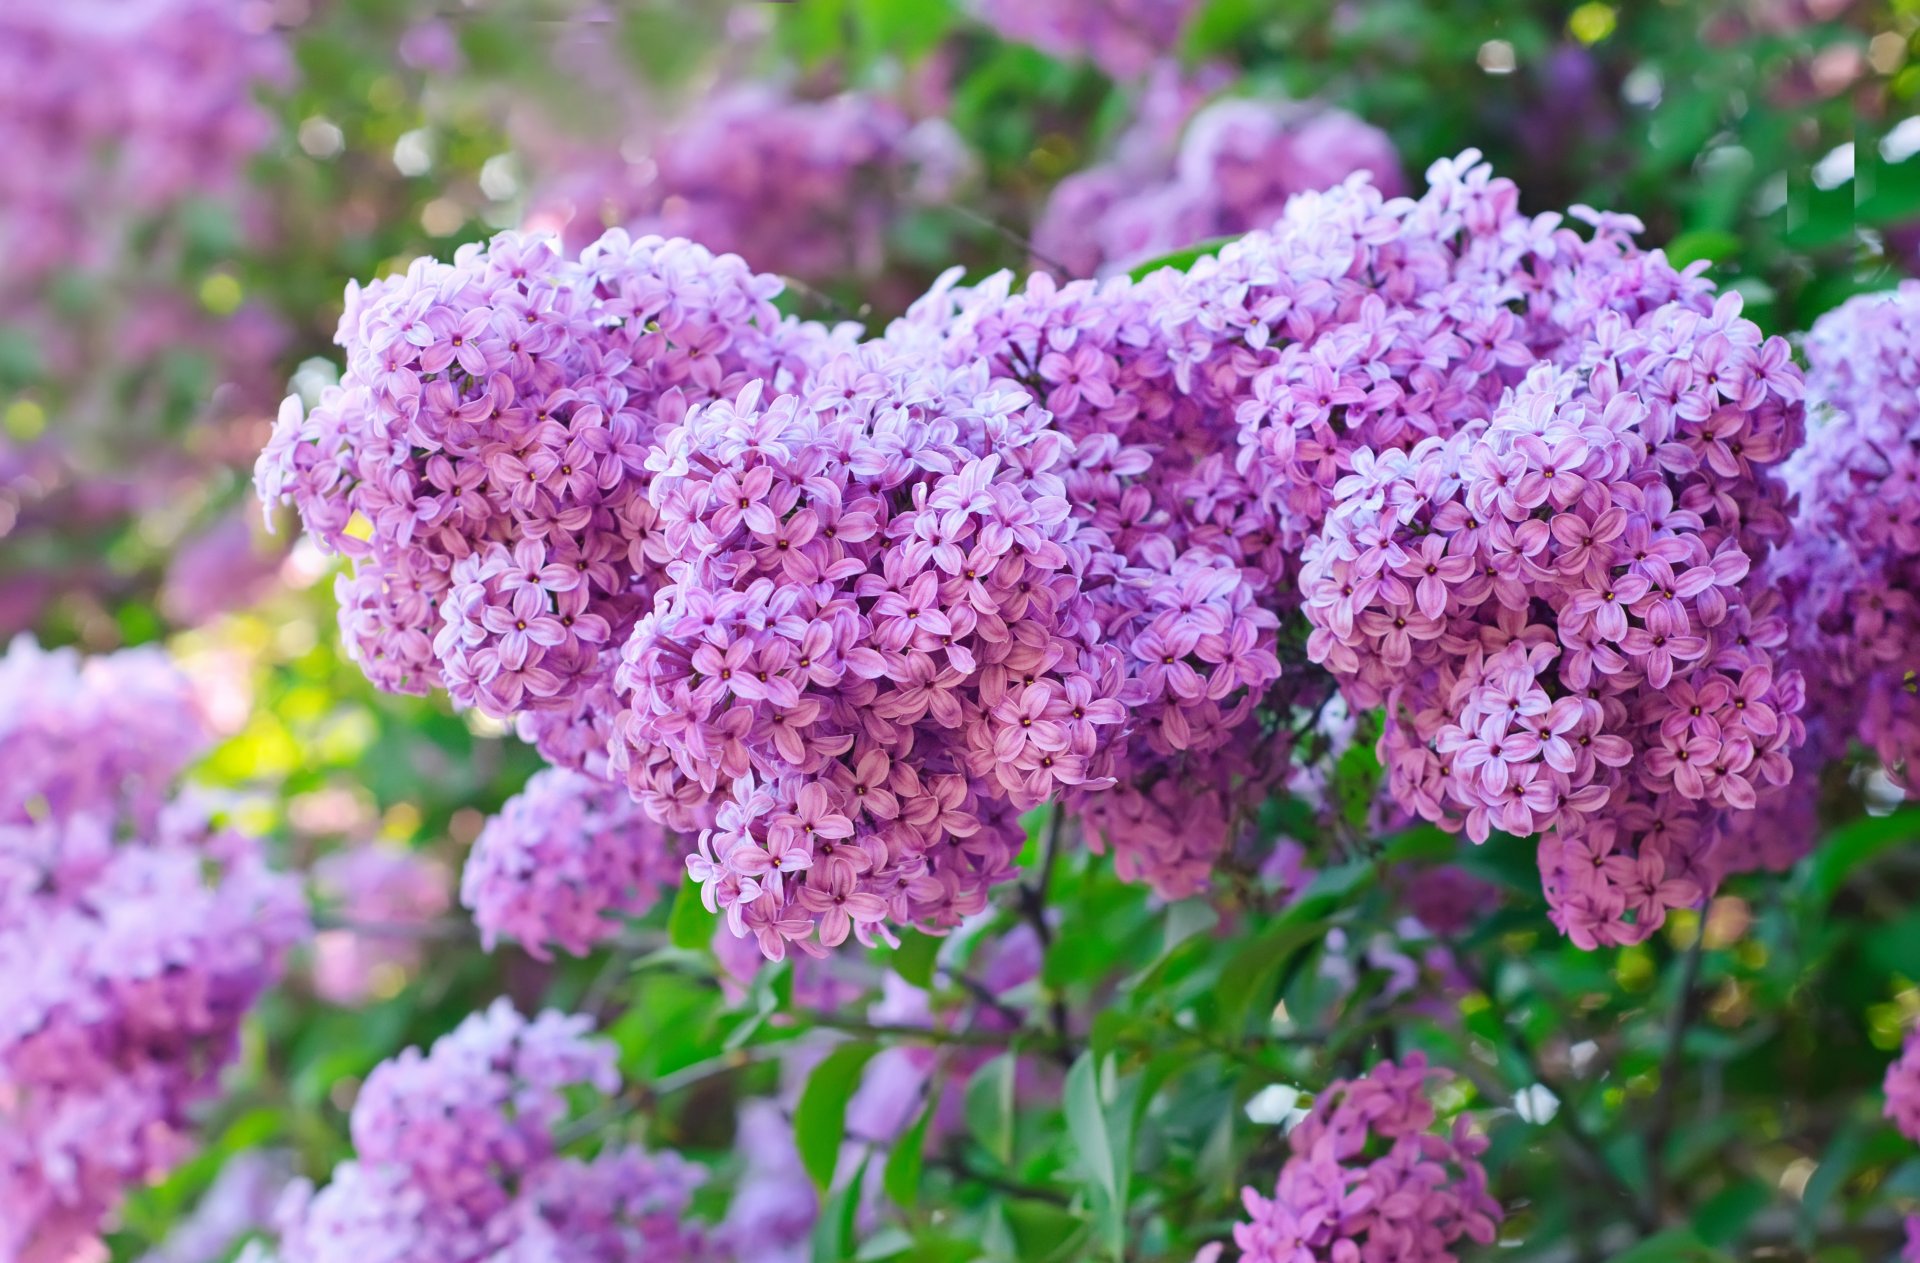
(1368, 1177)
(804, 188)
(873, 650)
(482, 460)
(565, 859)
(1122, 37)
(1551, 607)
(135, 933)
(1853, 569)
(457, 1160)
(1186, 580)
(383, 895)
(1236, 164)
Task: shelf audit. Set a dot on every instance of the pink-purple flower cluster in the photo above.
(847, 608)
(1552, 607)
(563, 862)
(1237, 163)
(482, 462)
(383, 895)
(872, 651)
(1185, 577)
(136, 931)
(458, 1160)
(1122, 37)
(804, 188)
(110, 112)
(1368, 1177)
(1853, 569)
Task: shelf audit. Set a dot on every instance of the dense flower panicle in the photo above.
(565, 859)
(803, 188)
(482, 461)
(873, 650)
(135, 933)
(112, 110)
(1546, 604)
(1366, 322)
(457, 1161)
(1368, 1178)
(1852, 571)
(1122, 37)
(382, 892)
(1236, 164)
(1185, 576)
(1903, 1088)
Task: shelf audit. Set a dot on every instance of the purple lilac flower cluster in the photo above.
(1236, 164)
(800, 187)
(458, 1161)
(1552, 608)
(1853, 569)
(1187, 580)
(110, 110)
(1122, 37)
(1362, 346)
(135, 933)
(565, 859)
(848, 607)
(1369, 1178)
(482, 462)
(873, 650)
(381, 892)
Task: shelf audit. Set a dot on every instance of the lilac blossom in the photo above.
(1237, 162)
(458, 1160)
(1853, 568)
(872, 652)
(565, 859)
(482, 462)
(136, 931)
(384, 895)
(1368, 1176)
(1122, 37)
(804, 188)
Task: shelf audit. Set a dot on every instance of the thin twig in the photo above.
(1567, 1115)
(1665, 1096)
(1033, 906)
(974, 216)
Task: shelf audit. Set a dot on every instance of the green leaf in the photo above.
(1181, 260)
(820, 1119)
(1094, 1141)
(1715, 245)
(1042, 1231)
(901, 1176)
(1676, 1245)
(1853, 845)
(1722, 1218)
(690, 925)
(989, 1107)
(1252, 969)
(914, 959)
(1838, 1163)
(833, 1232)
